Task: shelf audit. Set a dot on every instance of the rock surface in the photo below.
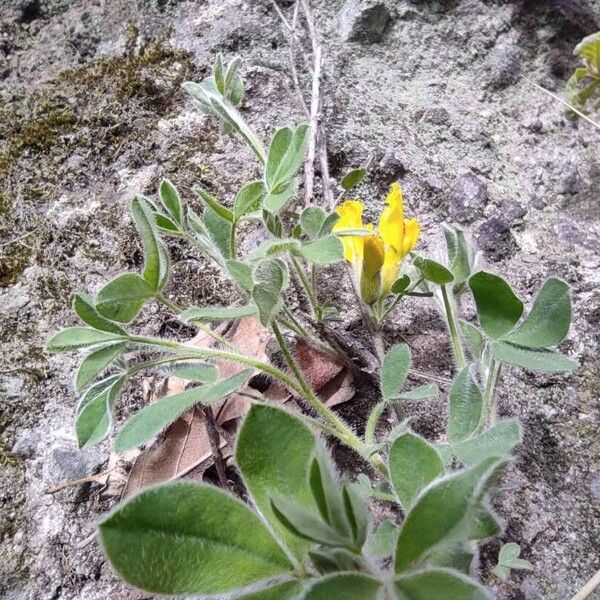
(92, 112)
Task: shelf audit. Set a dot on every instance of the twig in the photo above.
(328, 194)
(214, 439)
(315, 106)
(97, 478)
(588, 588)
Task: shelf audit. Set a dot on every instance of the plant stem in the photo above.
(219, 354)
(305, 284)
(215, 444)
(456, 345)
(174, 307)
(489, 398)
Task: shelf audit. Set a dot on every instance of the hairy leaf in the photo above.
(282, 591)
(349, 586)
(438, 584)
(270, 280)
(433, 271)
(441, 513)
(352, 178)
(189, 538)
(83, 305)
(549, 319)
(324, 251)
(73, 338)
(465, 406)
(495, 441)
(395, 370)
(274, 452)
(498, 307)
(422, 392)
(122, 298)
(171, 200)
(413, 464)
(213, 313)
(249, 199)
(509, 559)
(473, 338)
(534, 359)
(95, 363)
(153, 418)
(311, 220)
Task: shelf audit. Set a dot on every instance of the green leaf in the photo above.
(349, 586)
(156, 258)
(95, 363)
(356, 514)
(413, 464)
(190, 538)
(509, 559)
(171, 200)
(433, 271)
(273, 247)
(394, 371)
(73, 338)
(165, 224)
(589, 50)
(460, 255)
(274, 453)
(311, 220)
(219, 230)
(218, 74)
(193, 371)
(270, 280)
(83, 305)
(352, 178)
(485, 524)
(458, 556)
(211, 101)
(464, 407)
(473, 338)
(440, 513)
(422, 392)
(498, 307)
(153, 418)
(283, 591)
(549, 319)
(241, 273)
(249, 199)
(286, 154)
(438, 584)
(324, 251)
(226, 313)
(122, 298)
(533, 359)
(93, 421)
(382, 542)
(275, 202)
(329, 223)
(305, 525)
(401, 284)
(214, 204)
(495, 441)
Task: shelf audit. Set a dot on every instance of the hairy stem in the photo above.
(456, 345)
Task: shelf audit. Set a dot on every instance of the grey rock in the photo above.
(495, 238)
(502, 66)
(437, 115)
(26, 445)
(530, 589)
(595, 485)
(468, 197)
(66, 462)
(364, 21)
(584, 13)
(391, 167)
(512, 211)
(570, 180)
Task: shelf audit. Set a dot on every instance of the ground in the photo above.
(93, 112)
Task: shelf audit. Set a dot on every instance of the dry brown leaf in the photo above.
(185, 445)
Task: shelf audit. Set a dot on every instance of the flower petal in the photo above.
(350, 218)
(391, 223)
(389, 271)
(412, 230)
(374, 255)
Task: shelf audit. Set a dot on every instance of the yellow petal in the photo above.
(389, 271)
(350, 218)
(412, 230)
(391, 223)
(373, 256)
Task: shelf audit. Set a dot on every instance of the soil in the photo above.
(92, 112)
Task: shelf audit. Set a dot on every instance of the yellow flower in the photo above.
(376, 258)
